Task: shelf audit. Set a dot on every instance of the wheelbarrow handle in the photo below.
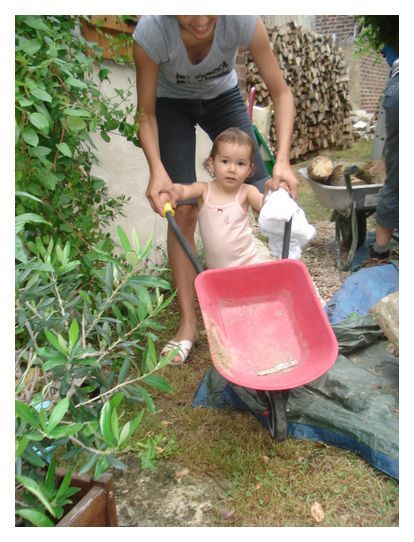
(286, 238)
(169, 213)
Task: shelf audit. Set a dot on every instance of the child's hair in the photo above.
(236, 137)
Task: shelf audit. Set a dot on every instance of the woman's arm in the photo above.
(284, 106)
(159, 181)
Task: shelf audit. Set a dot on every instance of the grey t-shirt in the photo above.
(160, 37)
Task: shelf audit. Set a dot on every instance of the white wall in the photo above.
(124, 168)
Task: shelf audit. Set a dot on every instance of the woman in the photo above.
(186, 75)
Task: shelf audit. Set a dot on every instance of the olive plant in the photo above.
(87, 316)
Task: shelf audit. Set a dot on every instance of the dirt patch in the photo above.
(171, 496)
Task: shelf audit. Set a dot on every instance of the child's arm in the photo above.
(254, 197)
(188, 191)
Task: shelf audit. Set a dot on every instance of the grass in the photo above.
(261, 482)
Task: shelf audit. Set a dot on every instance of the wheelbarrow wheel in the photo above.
(277, 418)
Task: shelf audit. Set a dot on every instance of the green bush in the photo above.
(86, 320)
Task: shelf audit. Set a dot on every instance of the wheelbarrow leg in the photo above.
(277, 418)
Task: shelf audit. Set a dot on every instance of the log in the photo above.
(386, 314)
(320, 168)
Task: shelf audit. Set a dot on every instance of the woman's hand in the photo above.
(160, 189)
(283, 177)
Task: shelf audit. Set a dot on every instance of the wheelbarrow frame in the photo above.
(351, 206)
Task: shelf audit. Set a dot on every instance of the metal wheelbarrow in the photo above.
(351, 206)
(265, 326)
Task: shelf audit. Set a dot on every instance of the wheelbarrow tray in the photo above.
(337, 197)
(259, 316)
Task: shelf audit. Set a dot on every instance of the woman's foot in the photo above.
(183, 341)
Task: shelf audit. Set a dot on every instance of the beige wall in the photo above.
(124, 168)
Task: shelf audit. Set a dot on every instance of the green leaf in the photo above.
(50, 477)
(105, 424)
(115, 424)
(64, 485)
(76, 112)
(26, 413)
(32, 46)
(37, 490)
(76, 83)
(53, 340)
(36, 517)
(36, 266)
(41, 94)
(157, 382)
(39, 121)
(100, 467)
(64, 149)
(64, 431)
(76, 124)
(27, 195)
(73, 333)
(58, 413)
(30, 136)
(36, 23)
(124, 239)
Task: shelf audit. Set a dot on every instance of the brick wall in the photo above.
(373, 74)
(341, 25)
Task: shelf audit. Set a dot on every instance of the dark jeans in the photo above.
(388, 203)
(177, 120)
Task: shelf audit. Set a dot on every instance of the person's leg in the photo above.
(227, 111)
(177, 148)
(387, 212)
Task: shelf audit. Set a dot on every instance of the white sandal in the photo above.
(183, 349)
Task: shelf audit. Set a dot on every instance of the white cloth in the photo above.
(278, 209)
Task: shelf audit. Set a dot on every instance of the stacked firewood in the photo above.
(316, 72)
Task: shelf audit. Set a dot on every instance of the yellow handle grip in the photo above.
(168, 209)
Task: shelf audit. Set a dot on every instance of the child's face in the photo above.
(231, 165)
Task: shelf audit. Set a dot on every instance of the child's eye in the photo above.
(242, 164)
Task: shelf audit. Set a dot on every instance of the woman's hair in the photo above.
(234, 136)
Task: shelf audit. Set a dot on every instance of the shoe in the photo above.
(183, 348)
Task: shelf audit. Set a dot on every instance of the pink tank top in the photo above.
(226, 234)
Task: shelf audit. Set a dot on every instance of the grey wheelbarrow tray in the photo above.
(351, 205)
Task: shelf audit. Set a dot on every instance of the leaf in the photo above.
(39, 121)
(27, 195)
(50, 476)
(76, 112)
(30, 136)
(76, 83)
(64, 486)
(317, 512)
(157, 382)
(58, 413)
(100, 467)
(105, 424)
(41, 94)
(115, 424)
(64, 431)
(37, 490)
(73, 333)
(31, 46)
(76, 124)
(26, 413)
(36, 517)
(123, 239)
(36, 23)
(64, 149)
(53, 340)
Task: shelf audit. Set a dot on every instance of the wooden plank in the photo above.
(90, 511)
